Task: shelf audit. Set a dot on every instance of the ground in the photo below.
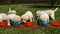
(21, 9)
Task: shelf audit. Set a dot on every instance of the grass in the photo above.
(21, 9)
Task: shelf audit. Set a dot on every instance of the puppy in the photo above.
(27, 16)
(12, 17)
(43, 16)
(43, 19)
(3, 17)
(51, 13)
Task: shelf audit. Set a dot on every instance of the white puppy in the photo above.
(51, 13)
(43, 16)
(3, 17)
(27, 16)
(13, 17)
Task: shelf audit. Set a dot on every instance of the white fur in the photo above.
(27, 16)
(13, 17)
(11, 11)
(38, 13)
(3, 17)
(16, 18)
(51, 13)
(43, 16)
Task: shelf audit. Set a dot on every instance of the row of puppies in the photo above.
(41, 15)
(12, 17)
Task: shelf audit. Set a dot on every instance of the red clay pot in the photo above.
(3, 24)
(29, 24)
(56, 23)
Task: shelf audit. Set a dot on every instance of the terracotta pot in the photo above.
(29, 24)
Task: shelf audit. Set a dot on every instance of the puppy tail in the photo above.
(9, 9)
(56, 9)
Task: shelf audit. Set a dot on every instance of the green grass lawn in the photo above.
(21, 9)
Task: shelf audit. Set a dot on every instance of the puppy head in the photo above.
(37, 13)
(25, 18)
(12, 12)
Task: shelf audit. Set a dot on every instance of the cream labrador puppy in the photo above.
(43, 16)
(51, 13)
(13, 17)
(3, 17)
(27, 16)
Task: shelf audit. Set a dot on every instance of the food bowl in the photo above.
(15, 24)
(3, 24)
(43, 23)
(56, 23)
(29, 24)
